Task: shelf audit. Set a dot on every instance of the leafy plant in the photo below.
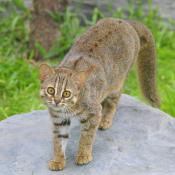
(19, 84)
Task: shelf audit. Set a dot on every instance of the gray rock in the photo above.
(140, 142)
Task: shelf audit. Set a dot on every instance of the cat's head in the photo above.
(60, 87)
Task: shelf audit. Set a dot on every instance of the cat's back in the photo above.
(105, 36)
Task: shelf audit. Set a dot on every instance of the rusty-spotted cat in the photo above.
(88, 82)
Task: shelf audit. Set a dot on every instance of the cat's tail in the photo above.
(147, 63)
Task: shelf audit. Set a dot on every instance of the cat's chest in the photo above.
(62, 114)
(58, 116)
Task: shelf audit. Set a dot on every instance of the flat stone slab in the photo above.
(140, 142)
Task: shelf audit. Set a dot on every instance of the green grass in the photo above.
(19, 83)
(19, 87)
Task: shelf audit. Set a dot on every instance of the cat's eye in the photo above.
(66, 94)
(51, 90)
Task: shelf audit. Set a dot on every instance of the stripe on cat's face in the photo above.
(60, 87)
(60, 90)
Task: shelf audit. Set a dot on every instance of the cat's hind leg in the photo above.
(109, 106)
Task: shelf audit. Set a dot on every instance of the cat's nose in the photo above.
(57, 100)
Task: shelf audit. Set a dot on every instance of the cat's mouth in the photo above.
(57, 106)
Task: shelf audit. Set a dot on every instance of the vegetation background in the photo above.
(19, 83)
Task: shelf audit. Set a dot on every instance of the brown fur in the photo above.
(147, 64)
(94, 71)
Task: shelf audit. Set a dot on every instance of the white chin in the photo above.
(55, 108)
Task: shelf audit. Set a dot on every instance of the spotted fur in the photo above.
(94, 71)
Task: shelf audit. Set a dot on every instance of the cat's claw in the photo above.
(56, 165)
(105, 124)
(83, 159)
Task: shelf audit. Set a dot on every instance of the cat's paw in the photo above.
(105, 124)
(56, 165)
(82, 158)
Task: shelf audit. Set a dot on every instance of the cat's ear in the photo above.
(83, 75)
(45, 70)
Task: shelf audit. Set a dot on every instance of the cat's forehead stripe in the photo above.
(61, 83)
(66, 83)
(56, 85)
(56, 79)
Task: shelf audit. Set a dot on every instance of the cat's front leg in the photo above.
(60, 139)
(87, 138)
